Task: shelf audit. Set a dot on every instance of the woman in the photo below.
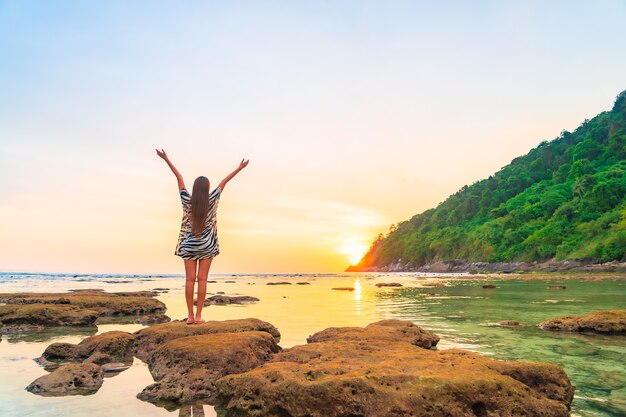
(197, 240)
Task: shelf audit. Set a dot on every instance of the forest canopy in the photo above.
(563, 200)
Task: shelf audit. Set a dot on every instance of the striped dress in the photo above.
(206, 245)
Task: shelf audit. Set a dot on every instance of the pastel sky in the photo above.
(354, 115)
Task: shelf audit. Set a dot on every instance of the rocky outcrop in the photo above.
(229, 299)
(460, 265)
(105, 304)
(380, 370)
(185, 369)
(70, 379)
(29, 316)
(279, 283)
(609, 322)
(147, 340)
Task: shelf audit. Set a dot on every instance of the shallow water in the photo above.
(460, 312)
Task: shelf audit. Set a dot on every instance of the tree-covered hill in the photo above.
(564, 200)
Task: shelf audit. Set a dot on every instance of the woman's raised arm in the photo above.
(242, 165)
(179, 178)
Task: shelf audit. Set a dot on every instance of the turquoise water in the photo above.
(461, 312)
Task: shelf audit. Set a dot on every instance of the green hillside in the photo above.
(563, 200)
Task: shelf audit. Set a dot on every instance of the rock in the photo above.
(556, 287)
(115, 367)
(489, 286)
(229, 282)
(303, 283)
(109, 347)
(380, 373)
(25, 316)
(147, 340)
(433, 284)
(154, 319)
(185, 369)
(60, 352)
(390, 330)
(70, 379)
(106, 304)
(225, 300)
(609, 322)
(114, 346)
(279, 283)
(388, 284)
(343, 288)
(508, 323)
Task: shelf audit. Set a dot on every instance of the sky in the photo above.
(354, 114)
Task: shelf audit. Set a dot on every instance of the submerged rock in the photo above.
(609, 322)
(343, 288)
(185, 369)
(388, 284)
(154, 319)
(70, 379)
(380, 371)
(279, 283)
(225, 300)
(508, 323)
(303, 283)
(489, 286)
(26, 316)
(556, 287)
(147, 340)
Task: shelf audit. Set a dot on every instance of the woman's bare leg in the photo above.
(190, 281)
(203, 274)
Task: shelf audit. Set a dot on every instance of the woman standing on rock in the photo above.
(197, 240)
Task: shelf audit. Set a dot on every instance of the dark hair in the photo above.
(199, 204)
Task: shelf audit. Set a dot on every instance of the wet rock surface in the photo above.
(229, 299)
(608, 322)
(154, 319)
(105, 304)
(109, 347)
(70, 379)
(32, 316)
(380, 370)
(388, 284)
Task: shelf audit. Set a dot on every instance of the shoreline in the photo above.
(463, 266)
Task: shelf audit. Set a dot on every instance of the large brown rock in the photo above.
(375, 372)
(610, 322)
(25, 316)
(70, 379)
(147, 340)
(106, 304)
(185, 369)
(105, 348)
(386, 330)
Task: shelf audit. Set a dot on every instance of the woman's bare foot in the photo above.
(190, 320)
(199, 320)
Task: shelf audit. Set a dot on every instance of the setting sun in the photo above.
(354, 251)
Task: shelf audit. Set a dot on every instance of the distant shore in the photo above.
(460, 266)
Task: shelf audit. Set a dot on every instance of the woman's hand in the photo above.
(162, 154)
(243, 164)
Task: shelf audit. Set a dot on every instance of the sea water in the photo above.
(456, 307)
